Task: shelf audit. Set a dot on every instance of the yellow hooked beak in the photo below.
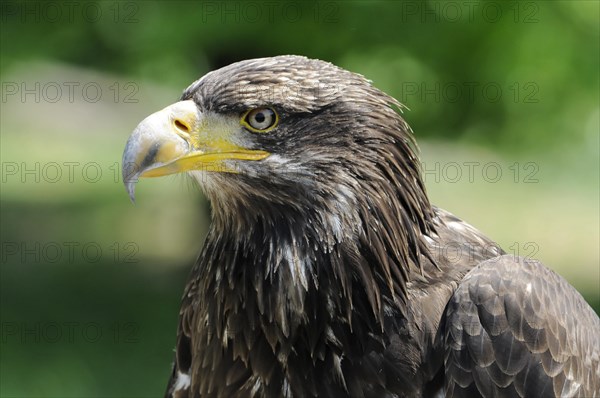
(180, 138)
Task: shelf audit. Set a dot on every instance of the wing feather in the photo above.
(515, 328)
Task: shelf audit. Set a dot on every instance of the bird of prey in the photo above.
(326, 272)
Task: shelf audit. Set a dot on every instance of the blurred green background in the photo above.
(503, 99)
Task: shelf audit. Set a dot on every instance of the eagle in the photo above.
(327, 272)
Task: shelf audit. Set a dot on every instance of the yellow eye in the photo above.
(260, 119)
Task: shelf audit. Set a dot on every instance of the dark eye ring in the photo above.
(260, 119)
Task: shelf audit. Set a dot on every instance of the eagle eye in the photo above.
(260, 120)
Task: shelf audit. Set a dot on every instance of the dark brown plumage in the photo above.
(326, 271)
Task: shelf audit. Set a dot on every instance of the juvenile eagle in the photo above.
(326, 272)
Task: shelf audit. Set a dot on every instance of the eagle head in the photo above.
(296, 146)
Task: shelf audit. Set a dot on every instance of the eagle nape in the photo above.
(325, 272)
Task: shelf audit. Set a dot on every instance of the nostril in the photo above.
(182, 126)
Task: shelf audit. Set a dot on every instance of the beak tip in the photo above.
(130, 187)
(130, 178)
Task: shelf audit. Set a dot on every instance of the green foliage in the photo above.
(517, 74)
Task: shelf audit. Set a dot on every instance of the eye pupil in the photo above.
(260, 117)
